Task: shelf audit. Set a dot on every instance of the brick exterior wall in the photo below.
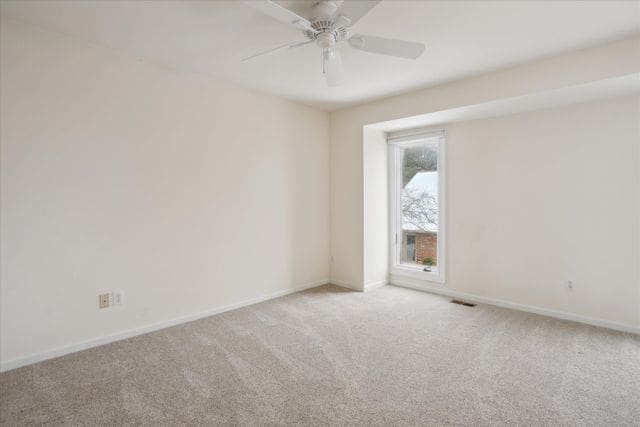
(426, 247)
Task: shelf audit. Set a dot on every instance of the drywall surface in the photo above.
(121, 175)
(347, 175)
(376, 208)
(578, 132)
(541, 198)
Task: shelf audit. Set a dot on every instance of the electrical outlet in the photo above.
(118, 297)
(104, 300)
(571, 284)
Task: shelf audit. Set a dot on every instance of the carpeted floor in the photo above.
(391, 356)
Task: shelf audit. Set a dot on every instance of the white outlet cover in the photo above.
(118, 297)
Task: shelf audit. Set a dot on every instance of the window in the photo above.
(410, 245)
(417, 205)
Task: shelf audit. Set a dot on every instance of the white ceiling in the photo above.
(463, 38)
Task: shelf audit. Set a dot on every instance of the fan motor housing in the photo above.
(324, 29)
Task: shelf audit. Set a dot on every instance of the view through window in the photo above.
(417, 203)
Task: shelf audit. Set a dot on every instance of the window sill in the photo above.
(418, 273)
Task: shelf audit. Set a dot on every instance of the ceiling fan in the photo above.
(329, 23)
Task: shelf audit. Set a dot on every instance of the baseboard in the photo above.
(106, 339)
(345, 284)
(373, 285)
(520, 307)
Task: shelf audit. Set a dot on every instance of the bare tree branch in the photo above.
(420, 209)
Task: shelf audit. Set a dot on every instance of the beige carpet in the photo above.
(391, 356)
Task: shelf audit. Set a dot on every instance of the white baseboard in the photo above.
(520, 307)
(106, 339)
(373, 285)
(345, 285)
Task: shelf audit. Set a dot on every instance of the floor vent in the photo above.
(468, 304)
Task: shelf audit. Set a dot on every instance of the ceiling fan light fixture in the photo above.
(332, 67)
(329, 23)
(325, 40)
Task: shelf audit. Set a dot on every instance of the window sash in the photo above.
(407, 137)
(397, 143)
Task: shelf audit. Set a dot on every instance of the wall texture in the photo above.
(534, 170)
(540, 198)
(117, 174)
(191, 195)
(375, 214)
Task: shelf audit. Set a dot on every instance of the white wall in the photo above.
(346, 136)
(192, 195)
(118, 174)
(486, 256)
(539, 198)
(376, 208)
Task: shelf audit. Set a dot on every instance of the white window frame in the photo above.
(396, 142)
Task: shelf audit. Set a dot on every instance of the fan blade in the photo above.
(291, 45)
(279, 13)
(354, 10)
(341, 21)
(332, 67)
(401, 48)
